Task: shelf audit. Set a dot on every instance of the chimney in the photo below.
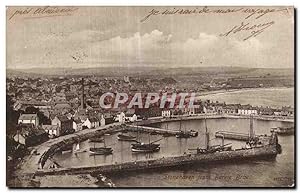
(82, 94)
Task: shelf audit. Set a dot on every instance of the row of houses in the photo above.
(126, 117)
(233, 109)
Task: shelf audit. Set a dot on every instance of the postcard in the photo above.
(150, 96)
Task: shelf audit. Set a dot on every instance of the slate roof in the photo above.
(93, 119)
(28, 117)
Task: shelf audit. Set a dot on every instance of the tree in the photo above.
(11, 116)
(42, 118)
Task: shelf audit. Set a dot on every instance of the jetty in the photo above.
(232, 135)
(135, 128)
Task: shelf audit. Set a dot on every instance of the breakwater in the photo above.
(232, 135)
(267, 151)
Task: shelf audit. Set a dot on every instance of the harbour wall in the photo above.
(268, 151)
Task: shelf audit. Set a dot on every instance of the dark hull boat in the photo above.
(183, 135)
(96, 140)
(283, 130)
(67, 149)
(193, 133)
(101, 150)
(141, 147)
(122, 137)
(154, 133)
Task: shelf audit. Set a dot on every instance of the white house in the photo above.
(52, 130)
(250, 111)
(121, 117)
(87, 123)
(29, 118)
(91, 122)
(102, 121)
(189, 111)
(166, 113)
(94, 122)
(77, 125)
(131, 117)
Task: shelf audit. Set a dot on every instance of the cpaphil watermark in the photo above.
(146, 100)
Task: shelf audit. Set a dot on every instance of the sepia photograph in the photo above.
(150, 97)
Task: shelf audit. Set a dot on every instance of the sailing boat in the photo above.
(213, 148)
(145, 147)
(77, 147)
(101, 150)
(182, 134)
(167, 134)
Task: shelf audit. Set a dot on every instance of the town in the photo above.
(46, 108)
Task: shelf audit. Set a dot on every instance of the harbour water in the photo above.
(277, 172)
(272, 172)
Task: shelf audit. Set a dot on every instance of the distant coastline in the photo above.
(223, 91)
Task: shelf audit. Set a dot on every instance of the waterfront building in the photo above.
(90, 122)
(94, 122)
(189, 111)
(52, 130)
(287, 111)
(166, 113)
(77, 124)
(102, 120)
(65, 125)
(247, 110)
(121, 117)
(130, 117)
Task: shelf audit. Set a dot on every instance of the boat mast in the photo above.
(137, 132)
(251, 131)
(180, 123)
(206, 136)
(223, 138)
(104, 141)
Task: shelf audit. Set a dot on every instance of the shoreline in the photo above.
(30, 165)
(224, 91)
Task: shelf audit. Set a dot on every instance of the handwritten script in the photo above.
(249, 12)
(38, 12)
(254, 29)
(249, 22)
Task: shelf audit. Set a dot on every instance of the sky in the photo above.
(117, 36)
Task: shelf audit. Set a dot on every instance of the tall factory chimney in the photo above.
(82, 94)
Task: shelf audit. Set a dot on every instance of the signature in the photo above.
(254, 29)
(38, 12)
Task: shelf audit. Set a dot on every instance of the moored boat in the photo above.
(193, 133)
(182, 134)
(145, 147)
(101, 150)
(142, 147)
(122, 137)
(283, 130)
